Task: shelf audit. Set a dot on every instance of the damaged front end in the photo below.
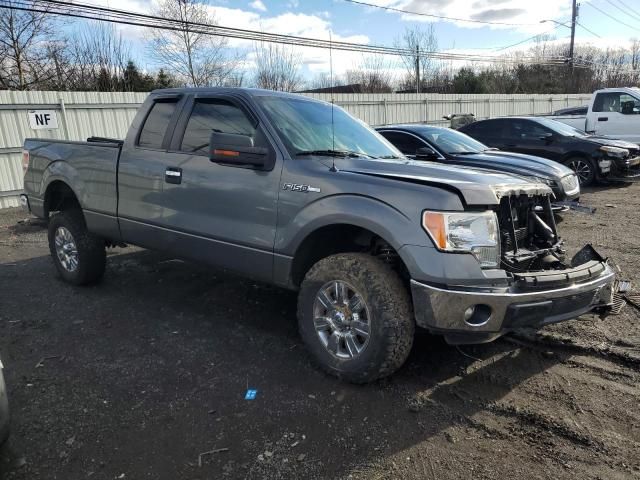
(542, 286)
(532, 250)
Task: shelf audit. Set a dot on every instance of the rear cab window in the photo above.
(154, 129)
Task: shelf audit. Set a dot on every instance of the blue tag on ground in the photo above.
(251, 395)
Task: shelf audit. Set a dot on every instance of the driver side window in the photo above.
(407, 144)
(219, 116)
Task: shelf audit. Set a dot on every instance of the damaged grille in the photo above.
(528, 234)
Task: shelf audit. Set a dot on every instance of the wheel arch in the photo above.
(331, 239)
(58, 195)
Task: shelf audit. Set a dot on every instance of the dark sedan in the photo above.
(454, 148)
(4, 409)
(592, 158)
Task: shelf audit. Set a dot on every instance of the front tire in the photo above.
(355, 316)
(79, 256)
(584, 168)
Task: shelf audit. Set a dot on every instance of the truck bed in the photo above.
(91, 165)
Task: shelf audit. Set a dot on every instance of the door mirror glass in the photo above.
(236, 149)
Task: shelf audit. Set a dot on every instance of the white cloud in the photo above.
(258, 5)
(525, 12)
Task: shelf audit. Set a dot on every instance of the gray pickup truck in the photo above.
(298, 193)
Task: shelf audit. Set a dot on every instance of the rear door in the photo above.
(221, 214)
(141, 170)
(490, 132)
(617, 115)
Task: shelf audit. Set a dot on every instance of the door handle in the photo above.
(173, 175)
(603, 119)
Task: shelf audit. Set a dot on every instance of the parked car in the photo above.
(4, 408)
(296, 192)
(612, 112)
(592, 158)
(452, 147)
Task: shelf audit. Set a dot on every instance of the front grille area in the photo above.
(528, 236)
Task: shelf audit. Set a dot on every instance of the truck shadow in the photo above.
(163, 342)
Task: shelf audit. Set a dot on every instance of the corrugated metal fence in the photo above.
(83, 114)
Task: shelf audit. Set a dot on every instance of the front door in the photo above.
(616, 115)
(220, 214)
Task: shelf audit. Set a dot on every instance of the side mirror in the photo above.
(426, 153)
(236, 149)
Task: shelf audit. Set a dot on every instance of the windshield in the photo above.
(560, 128)
(305, 127)
(451, 141)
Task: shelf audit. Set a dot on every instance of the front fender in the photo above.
(389, 223)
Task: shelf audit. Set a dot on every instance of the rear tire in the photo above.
(367, 330)
(79, 256)
(584, 168)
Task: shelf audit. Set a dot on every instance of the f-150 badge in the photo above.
(295, 187)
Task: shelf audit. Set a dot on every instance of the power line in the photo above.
(628, 11)
(585, 28)
(441, 17)
(611, 16)
(535, 37)
(93, 12)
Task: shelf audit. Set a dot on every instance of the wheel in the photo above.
(584, 169)
(78, 255)
(355, 316)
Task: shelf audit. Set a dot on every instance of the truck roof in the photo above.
(253, 92)
(635, 90)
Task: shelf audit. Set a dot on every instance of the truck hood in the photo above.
(515, 163)
(475, 186)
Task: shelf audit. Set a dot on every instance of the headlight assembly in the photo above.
(615, 151)
(465, 232)
(570, 184)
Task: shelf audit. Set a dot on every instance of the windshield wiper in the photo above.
(462, 153)
(334, 153)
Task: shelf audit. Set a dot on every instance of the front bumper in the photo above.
(500, 310)
(626, 170)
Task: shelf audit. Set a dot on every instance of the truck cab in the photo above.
(612, 112)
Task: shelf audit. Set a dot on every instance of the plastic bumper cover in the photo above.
(491, 312)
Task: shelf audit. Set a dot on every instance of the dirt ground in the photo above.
(144, 377)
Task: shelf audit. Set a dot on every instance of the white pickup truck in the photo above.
(612, 112)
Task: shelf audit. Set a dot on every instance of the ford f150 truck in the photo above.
(612, 112)
(296, 192)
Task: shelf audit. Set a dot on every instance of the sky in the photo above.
(362, 24)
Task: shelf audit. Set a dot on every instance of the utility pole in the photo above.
(574, 16)
(417, 68)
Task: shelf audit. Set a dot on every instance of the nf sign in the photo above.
(43, 119)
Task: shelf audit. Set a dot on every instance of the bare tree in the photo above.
(418, 42)
(277, 67)
(99, 56)
(373, 74)
(198, 58)
(23, 39)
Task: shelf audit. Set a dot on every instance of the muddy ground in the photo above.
(138, 377)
